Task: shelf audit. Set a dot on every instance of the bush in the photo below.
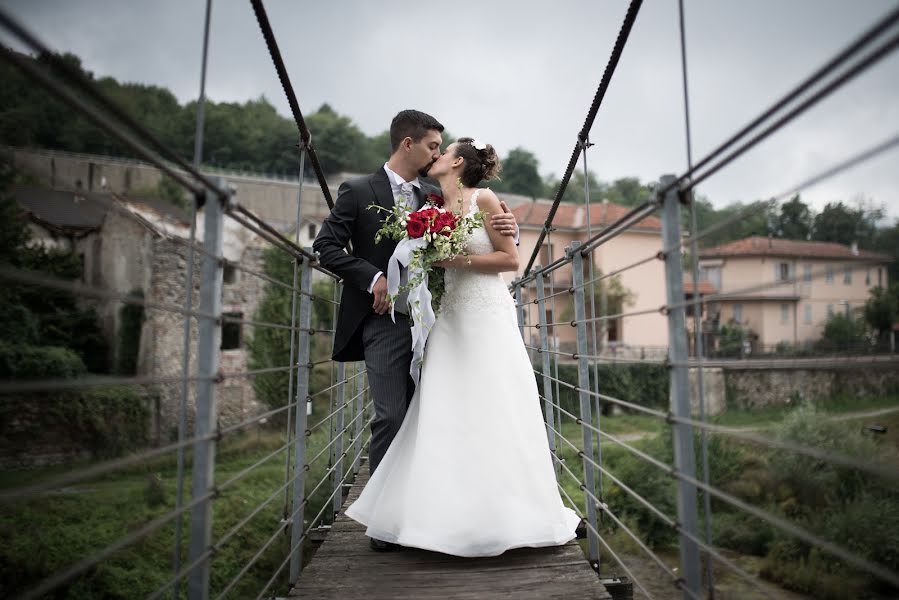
(844, 332)
(844, 505)
(643, 384)
(25, 362)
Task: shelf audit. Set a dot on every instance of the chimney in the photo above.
(854, 248)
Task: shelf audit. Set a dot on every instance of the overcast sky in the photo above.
(523, 73)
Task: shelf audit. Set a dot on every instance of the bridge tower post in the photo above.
(684, 457)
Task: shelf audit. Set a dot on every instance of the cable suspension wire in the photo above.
(305, 136)
(883, 471)
(75, 79)
(84, 564)
(573, 505)
(875, 31)
(287, 522)
(618, 49)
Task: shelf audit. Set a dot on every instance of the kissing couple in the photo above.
(459, 462)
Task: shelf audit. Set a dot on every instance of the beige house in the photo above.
(819, 279)
(644, 285)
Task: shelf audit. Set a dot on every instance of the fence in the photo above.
(319, 458)
(340, 433)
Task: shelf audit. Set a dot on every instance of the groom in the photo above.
(364, 327)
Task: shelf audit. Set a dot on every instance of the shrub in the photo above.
(644, 384)
(23, 362)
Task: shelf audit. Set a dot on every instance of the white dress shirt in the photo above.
(396, 187)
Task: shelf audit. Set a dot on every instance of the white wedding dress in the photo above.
(469, 473)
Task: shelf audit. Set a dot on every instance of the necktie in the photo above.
(406, 193)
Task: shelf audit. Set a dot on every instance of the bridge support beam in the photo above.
(684, 458)
(583, 384)
(208, 343)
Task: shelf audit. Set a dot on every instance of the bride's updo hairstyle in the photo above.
(480, 165)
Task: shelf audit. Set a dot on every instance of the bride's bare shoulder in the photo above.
(488, 201)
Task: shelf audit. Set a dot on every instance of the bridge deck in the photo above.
(346, 568)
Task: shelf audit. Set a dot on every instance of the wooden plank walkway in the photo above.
(345, 568)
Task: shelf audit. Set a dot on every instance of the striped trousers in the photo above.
(388, 354)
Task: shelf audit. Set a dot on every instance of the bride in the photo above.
(469, 473)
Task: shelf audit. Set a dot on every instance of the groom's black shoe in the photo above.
(382, 546)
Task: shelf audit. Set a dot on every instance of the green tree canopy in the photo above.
(843, 224)
(520, 175)
(795, 220)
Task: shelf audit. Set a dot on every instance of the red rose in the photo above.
(444, 220)
(416, 227)
(426, 214)
(435, 199)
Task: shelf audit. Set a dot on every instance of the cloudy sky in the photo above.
(523, 73)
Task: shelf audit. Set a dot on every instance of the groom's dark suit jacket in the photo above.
(351, 221)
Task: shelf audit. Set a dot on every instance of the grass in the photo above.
(770, 415)
(47, 533)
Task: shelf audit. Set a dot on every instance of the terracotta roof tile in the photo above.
(705, 287)
(762, 246)
(574, 216)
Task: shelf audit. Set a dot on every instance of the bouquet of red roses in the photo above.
(424, 237)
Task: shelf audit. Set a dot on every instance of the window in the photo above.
(311, 230)
(829, 311)
(784, 313)
(807, 273)
(879, 276)
(712, 275)
(847, 274)
(783, 271)
(808, 314)
(867, 276)
(738, 313)
(229, 273)
(232, 333)
(828, 274)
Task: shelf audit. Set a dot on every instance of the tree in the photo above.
(41, 327)
(795, 220)
(886, 241)
(882, 309)
(627, 191)
(520, 175)
(339, 144)
(844, 225)
(843, 332)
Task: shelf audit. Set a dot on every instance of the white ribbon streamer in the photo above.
(418, 302)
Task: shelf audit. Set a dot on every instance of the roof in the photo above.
(78, 211)
(762, 246)
(574, 216)
(85, 210)
(705, 287)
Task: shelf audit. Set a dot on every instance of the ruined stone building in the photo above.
(138, 246)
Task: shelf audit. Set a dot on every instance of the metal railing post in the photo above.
(583, 383)
(208, 344)
(338, 429)
(358, 409)
(684, 459)
(293, 332)
(301, 400)
(519, 310)
(549, 415)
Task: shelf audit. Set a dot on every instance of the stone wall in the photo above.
(275, 200)
(757, 388)
(162, 354)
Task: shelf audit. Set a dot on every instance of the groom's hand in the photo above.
(379, 291)
(504, 222)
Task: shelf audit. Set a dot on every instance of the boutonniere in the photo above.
(435, 199)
